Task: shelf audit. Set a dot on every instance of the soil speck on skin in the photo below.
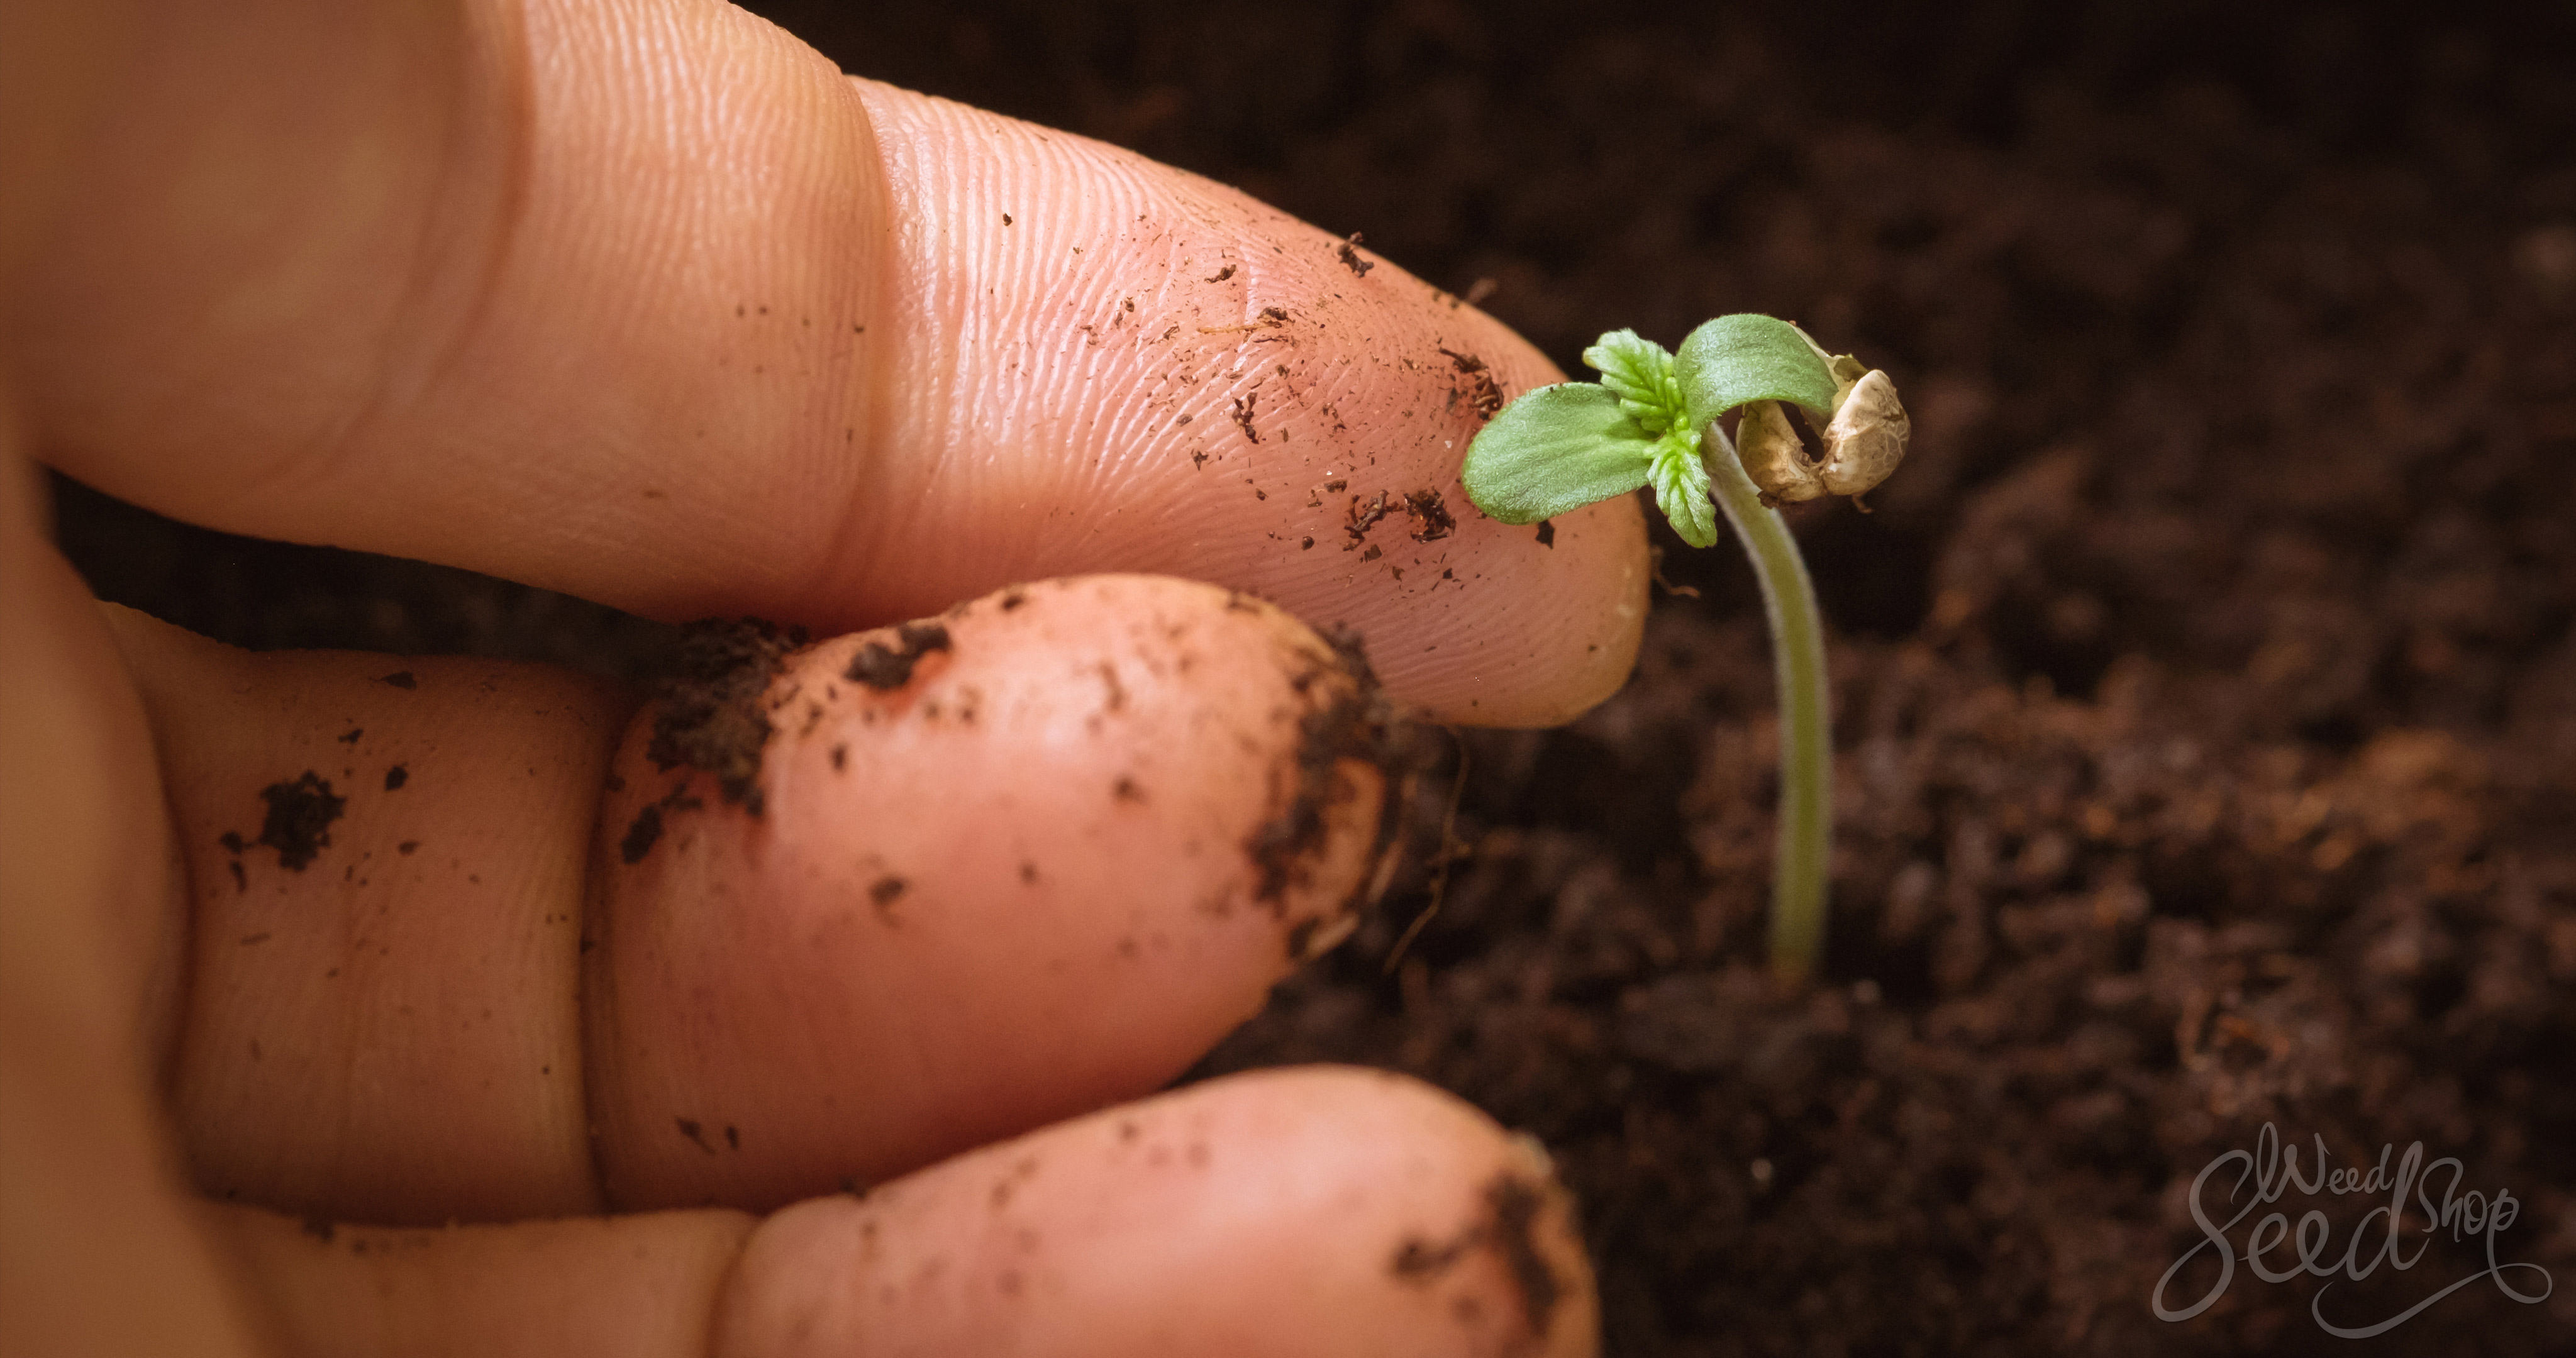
(1350, 256)
(840, 757)
(1364, 514)
(883, 667)
(1547, 532)
(1347, 717)
(1482, 393)
(733, 1137)
(885, 891)
(1512, 1207)
(1126, 790)
(350, 737)
(1300, 934)
(695, 1133)
(400, 679)
(641, 834)
(299, 819)
(396, 776)
(408, 846)
(1242, 409)
(1220, 275)
(711, 717)
(1431, 515)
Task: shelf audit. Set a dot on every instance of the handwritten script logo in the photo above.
(2274, 1168)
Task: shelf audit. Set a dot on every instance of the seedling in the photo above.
(1652, 419)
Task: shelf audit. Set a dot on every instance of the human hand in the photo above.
(645, 302)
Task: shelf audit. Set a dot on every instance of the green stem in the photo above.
(1805, 855)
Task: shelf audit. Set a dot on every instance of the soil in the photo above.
(2205, 683)
(709, 715)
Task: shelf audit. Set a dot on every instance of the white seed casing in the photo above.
(1867, 437)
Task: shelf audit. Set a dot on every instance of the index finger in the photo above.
(647, 303)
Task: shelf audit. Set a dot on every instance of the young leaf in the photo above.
(1681, 489)
(1554, 451)
(1640, 373)
(1735, 359)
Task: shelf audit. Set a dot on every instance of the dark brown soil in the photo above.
(880, 666)
(2206, 690)
(297, 824)
(708, 710)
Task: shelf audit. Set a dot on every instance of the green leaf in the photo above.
(1681, 489)
(1554, 451)
(1640, 373)
(1735, 359)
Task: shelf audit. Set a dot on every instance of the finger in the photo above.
(1005, 867)
(1292, 1212)
(1284, 1213)
(1043, 867)
(633, 1287)
(88, 1202)
(646, 303)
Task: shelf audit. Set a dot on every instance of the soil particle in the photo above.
(885, 891)
(696, 1134)
(1547, 532)
(641, 834)
(400, 679)
(408, 846)
(1431, 517)
(1481, 393)
(350, 737)
(884, 667)
(711, 716)
(1242, 410)
(1363, 515)
(1220, 275)
(1350, 256)
(1512, 1207)
(1300, 934)
(1347, 717)
(646, 829)
(298, 824)
(396, 776)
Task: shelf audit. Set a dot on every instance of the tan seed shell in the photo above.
(1771, 455)
(1867, 437)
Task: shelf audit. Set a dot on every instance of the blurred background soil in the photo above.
(2206, 688)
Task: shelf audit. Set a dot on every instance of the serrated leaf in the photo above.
(1640, 373)
(1681, 489)
(1735, 359)
(1554, 451)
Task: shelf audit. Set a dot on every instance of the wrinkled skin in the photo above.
(344, 1005)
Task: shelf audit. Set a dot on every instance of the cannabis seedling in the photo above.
(1652, 420)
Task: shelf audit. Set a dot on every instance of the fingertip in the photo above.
(908, 890)
(1318, 1211)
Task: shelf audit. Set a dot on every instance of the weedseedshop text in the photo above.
(2276, 1252)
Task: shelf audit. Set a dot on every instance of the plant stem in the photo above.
(1805, 854)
